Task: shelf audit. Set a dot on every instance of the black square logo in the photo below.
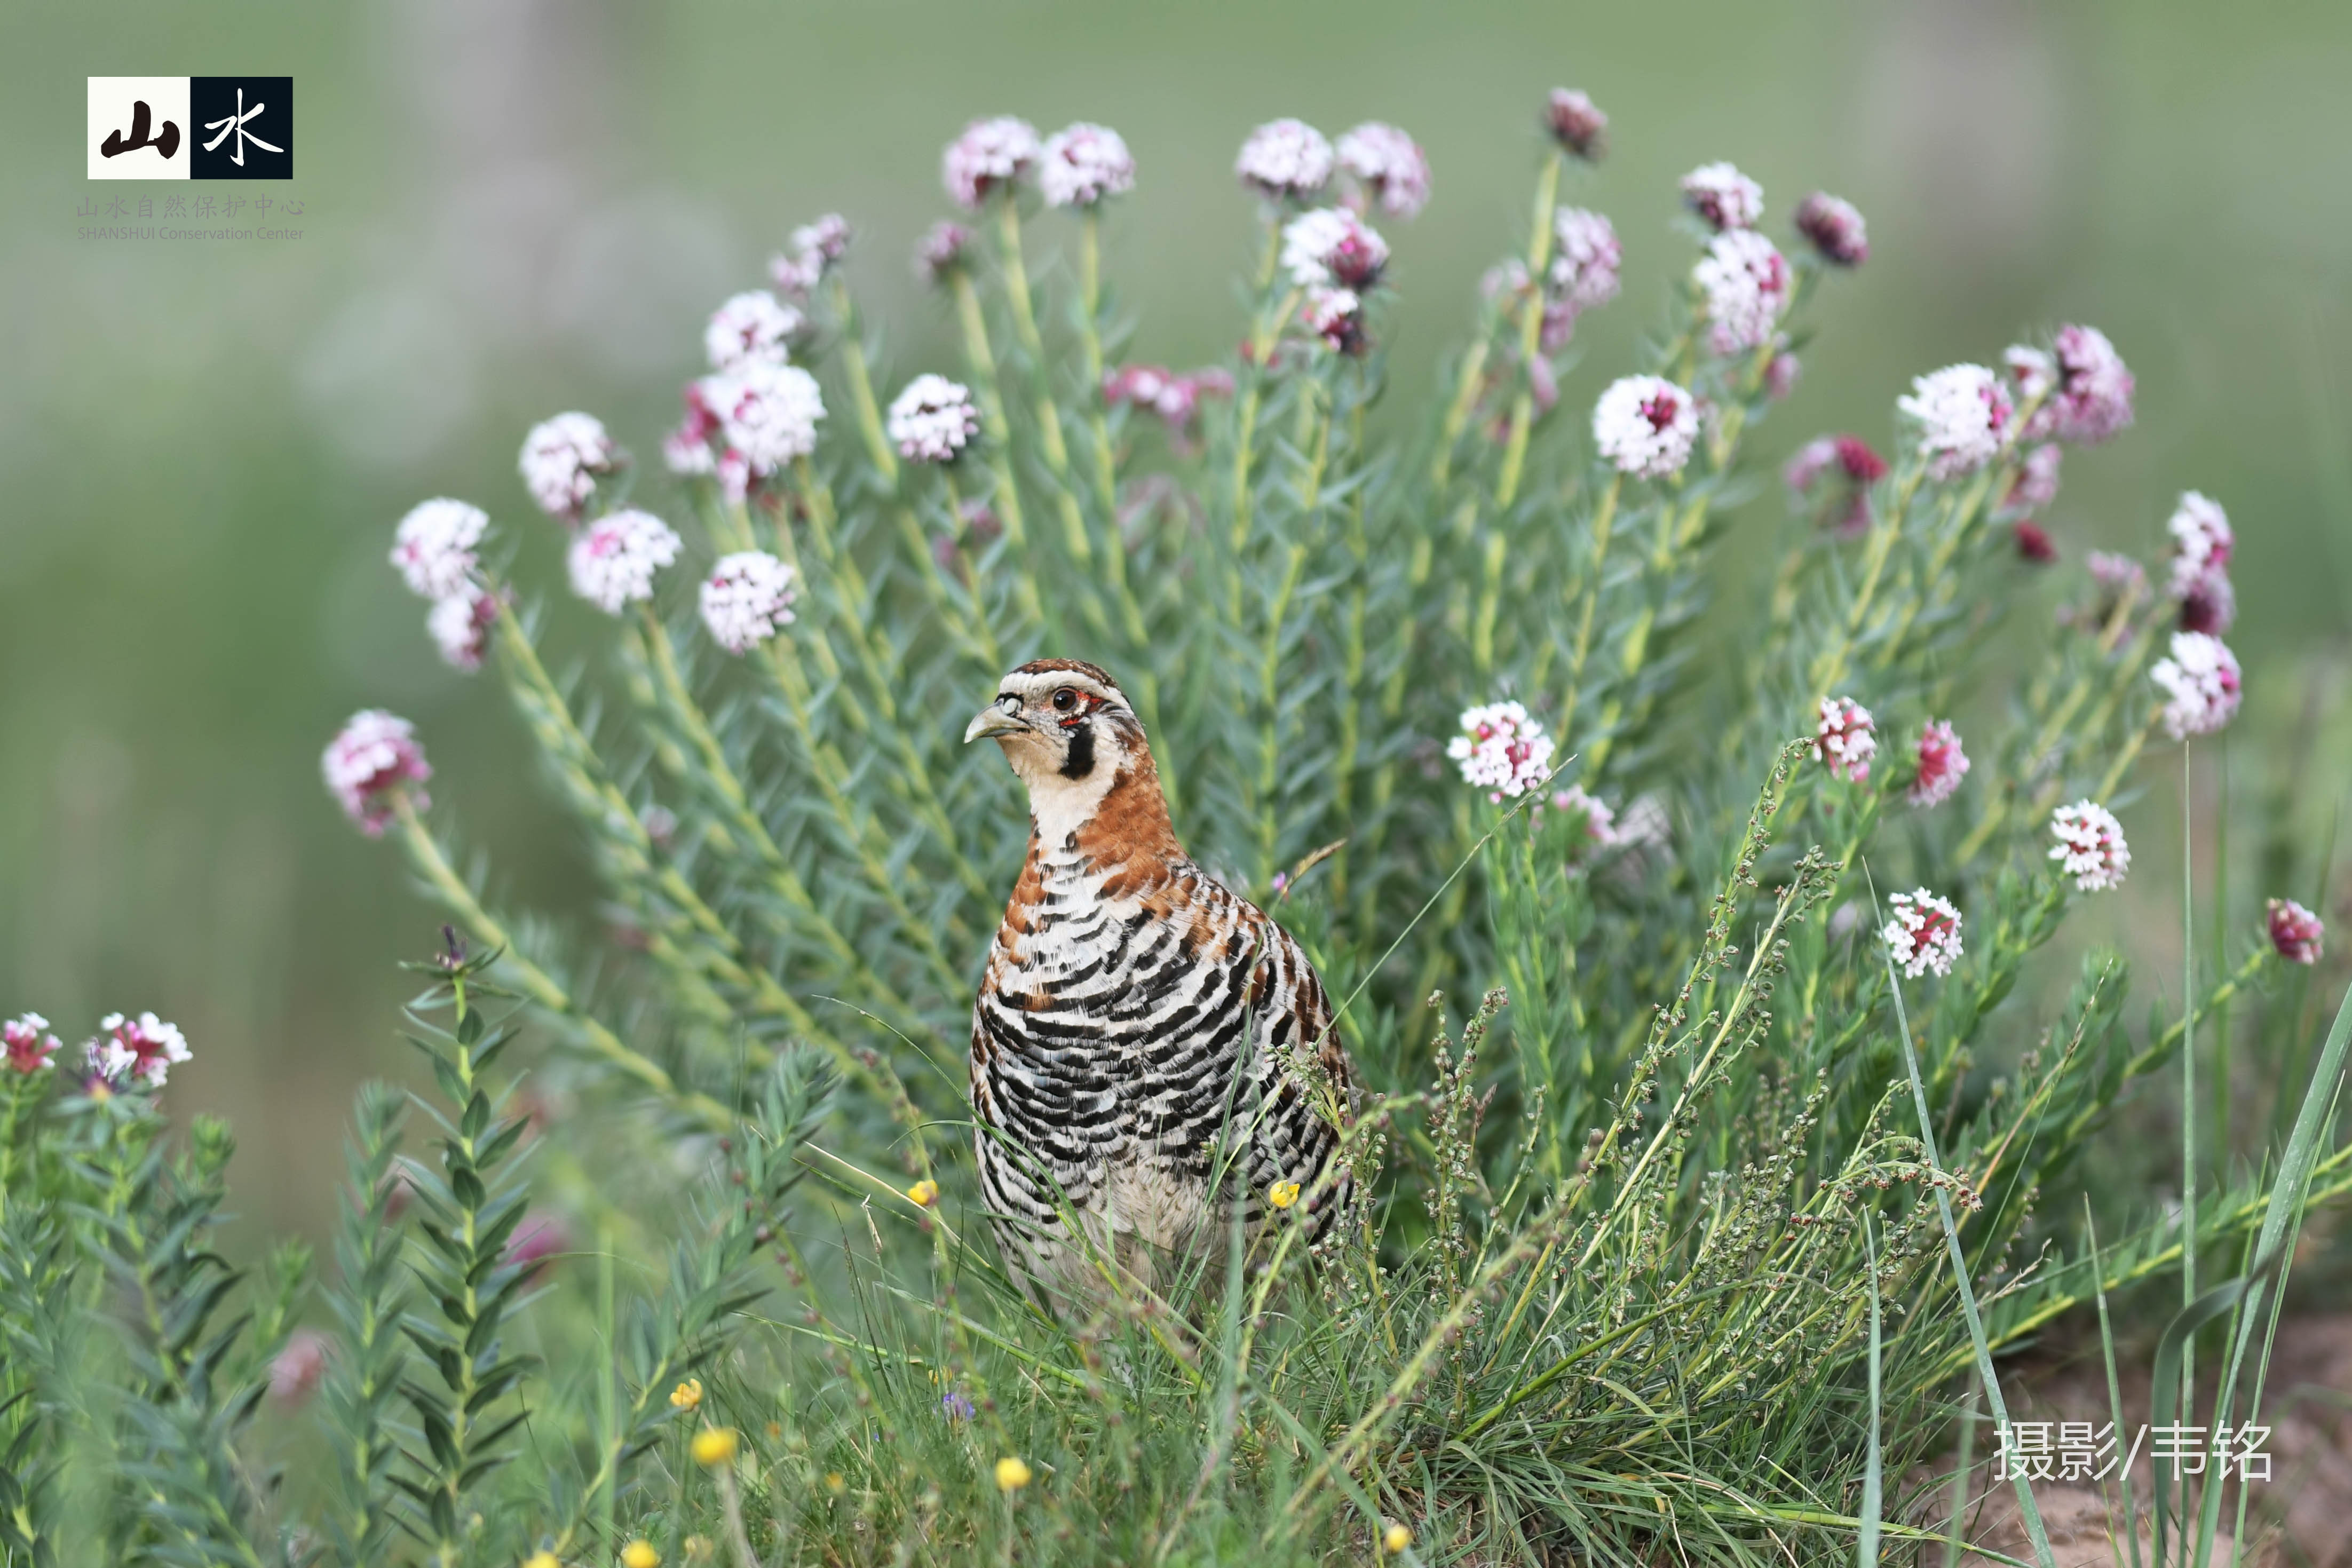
(242, 127)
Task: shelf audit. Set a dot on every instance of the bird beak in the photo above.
(991, 720)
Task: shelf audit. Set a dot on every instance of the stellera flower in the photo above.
(2202, 685)
(1336, 316)
(1722, 197)
(435, 545)
(371, 760)
(2084, 386)
(768, 413)
(751, 328)
(612, 560)
(1924, 934)
(1285, 158)
(561, 460)
(1961, 413)
(1332, 247)
(1744, 284)
(991, 155)
(138, 1050)
(1388, 166)
(1942, 764)
(746, 597)
(1577, 123)
(1585, 260)
(1845, 738)
(1081, 164)
(941, 254)
(1835, 227)
(2091, 846)
(24, 1046)
(2294, 931)
(1645, 425)
(933, 419)
(1501, 750)
(460, 627)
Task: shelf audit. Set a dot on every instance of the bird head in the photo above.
(1070, 734)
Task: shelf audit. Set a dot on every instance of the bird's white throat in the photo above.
(1059, 807)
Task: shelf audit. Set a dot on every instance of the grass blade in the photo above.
(2034, 1529)
(1866, 1551)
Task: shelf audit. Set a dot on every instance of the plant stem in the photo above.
(2188, 1079)
(424, 854)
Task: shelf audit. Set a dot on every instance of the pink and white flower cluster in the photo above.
(815, 248)
(1388, 167)
(435, 546)
(941, 254)
(1845, 738)
(1586, 258)
(371, 760)
(1577, 123)
(1501, 750)
(2036, 484)
(561, 460)
(751, 328)
(2089, 847)
(1961, 415)
(612, 560)
(1743, 284)
(1175, 397)
(1924, 934)
(1722, 197)
(1285, 160)
(137, 1050)
(991, 155)
(1645, 424)
(1332, 248)
(1942, 764)
(747, 424)
(1835, 227)
(746, 597)
(1081, 164)
(933, 419)
(2200, 582)
(1336, 316)
(2202, 684)
(1842, 506)
(26, 1047)
(460, 627)
(2084, 387)
(2295, 932)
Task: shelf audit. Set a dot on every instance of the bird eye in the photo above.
(1065, 699)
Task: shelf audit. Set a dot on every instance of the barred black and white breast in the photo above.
(1133, 1010)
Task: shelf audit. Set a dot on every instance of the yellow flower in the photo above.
(695, 1547)
(640, 1555)
(833, 1482)
(1012, 1475)
(686, 1394)
(714, 1446)
(923, 1194)
(1284, 1194)
(1396, 1538)
(542, 1560)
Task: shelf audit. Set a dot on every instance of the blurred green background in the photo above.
(512, 209)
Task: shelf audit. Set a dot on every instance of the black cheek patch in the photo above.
(1080, 759)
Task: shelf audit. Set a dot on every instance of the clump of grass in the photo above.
(1685, 1244)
